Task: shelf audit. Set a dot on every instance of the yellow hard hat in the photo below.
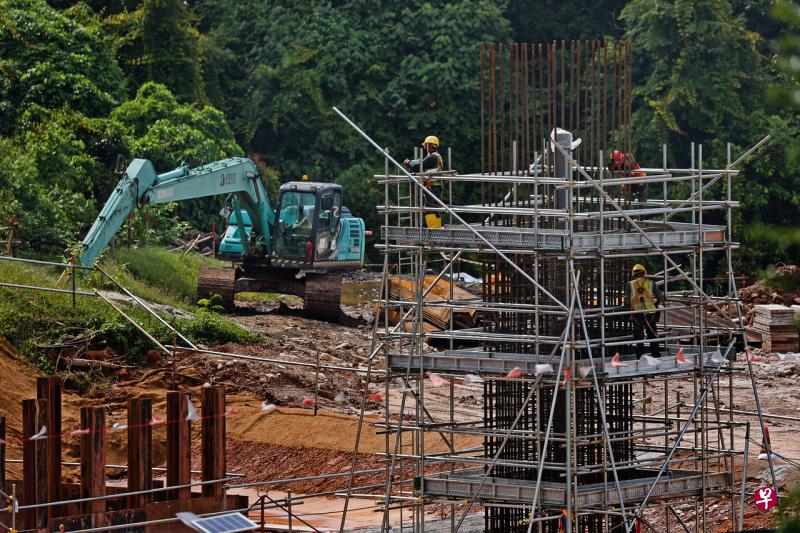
(638, 268)
(431, 139)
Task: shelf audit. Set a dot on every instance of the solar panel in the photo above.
(226, 523)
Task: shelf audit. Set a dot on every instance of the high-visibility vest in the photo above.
(562, 521)
(641, 294)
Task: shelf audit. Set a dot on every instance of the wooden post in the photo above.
(140, 450)
(179, 445)
(213, 439)
(49, 389)
(3, 454)
(34, 461)
(93, 462)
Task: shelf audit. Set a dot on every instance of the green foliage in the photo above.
(169, 44)
(545, 20)
(788, 47)
(212, 304)
(49, 214)
(59, 85)
(84, 81)
(54, 59)
(210, 328)
(168, 133)
(403, 71)
(157, 41)
(789, 512)
(697, 75)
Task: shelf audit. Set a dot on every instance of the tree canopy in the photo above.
(82, 82)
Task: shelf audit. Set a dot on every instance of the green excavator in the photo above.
(301, 248)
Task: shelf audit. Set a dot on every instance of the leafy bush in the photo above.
(54, 59)
(789, 512)
(210, 328)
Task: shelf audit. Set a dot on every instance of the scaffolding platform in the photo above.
(671, 235)
(484, 362)
(553, 242)
(673, 484)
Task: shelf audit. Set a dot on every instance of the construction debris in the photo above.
(195, 241)
(436, 318)
(780, 289)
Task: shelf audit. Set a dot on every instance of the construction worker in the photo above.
(625, 165)
(643, 298)
(432, 161)
(431, 164)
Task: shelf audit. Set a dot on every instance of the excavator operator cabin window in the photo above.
(297, 213)
(330, 210)
(295, 224)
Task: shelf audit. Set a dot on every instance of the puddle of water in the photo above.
(359, 293)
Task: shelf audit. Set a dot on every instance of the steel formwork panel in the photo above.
(482, 362)
(510, 238)
(676, 484)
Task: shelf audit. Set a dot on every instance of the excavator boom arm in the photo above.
(141, 185)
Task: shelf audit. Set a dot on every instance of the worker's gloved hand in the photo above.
(406, 162)
(426, 182)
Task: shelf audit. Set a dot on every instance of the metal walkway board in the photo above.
(464, 484)
(679, 235)
(481, 362)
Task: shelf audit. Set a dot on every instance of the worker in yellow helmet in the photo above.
(643, 298)
(432, 163)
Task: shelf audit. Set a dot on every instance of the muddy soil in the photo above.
(289, 441)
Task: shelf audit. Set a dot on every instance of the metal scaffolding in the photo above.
(578, 433)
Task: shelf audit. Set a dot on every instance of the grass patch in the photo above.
(266, 297)
(165, 277)
(164, 273)
(26, 315)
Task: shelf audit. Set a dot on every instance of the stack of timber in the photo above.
(777, 327)
(435, 317)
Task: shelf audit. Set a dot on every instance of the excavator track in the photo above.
(221, 281)
(323, 297)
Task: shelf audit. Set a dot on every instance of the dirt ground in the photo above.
(290, 441)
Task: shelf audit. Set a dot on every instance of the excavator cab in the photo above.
(231, 246)
(313, 228)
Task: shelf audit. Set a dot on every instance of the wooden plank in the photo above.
(213, 439)
(93, 462)
(49, 388)
(140, 450)
(179, 445)
(34, 461)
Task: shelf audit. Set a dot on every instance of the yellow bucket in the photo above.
(433, 221)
